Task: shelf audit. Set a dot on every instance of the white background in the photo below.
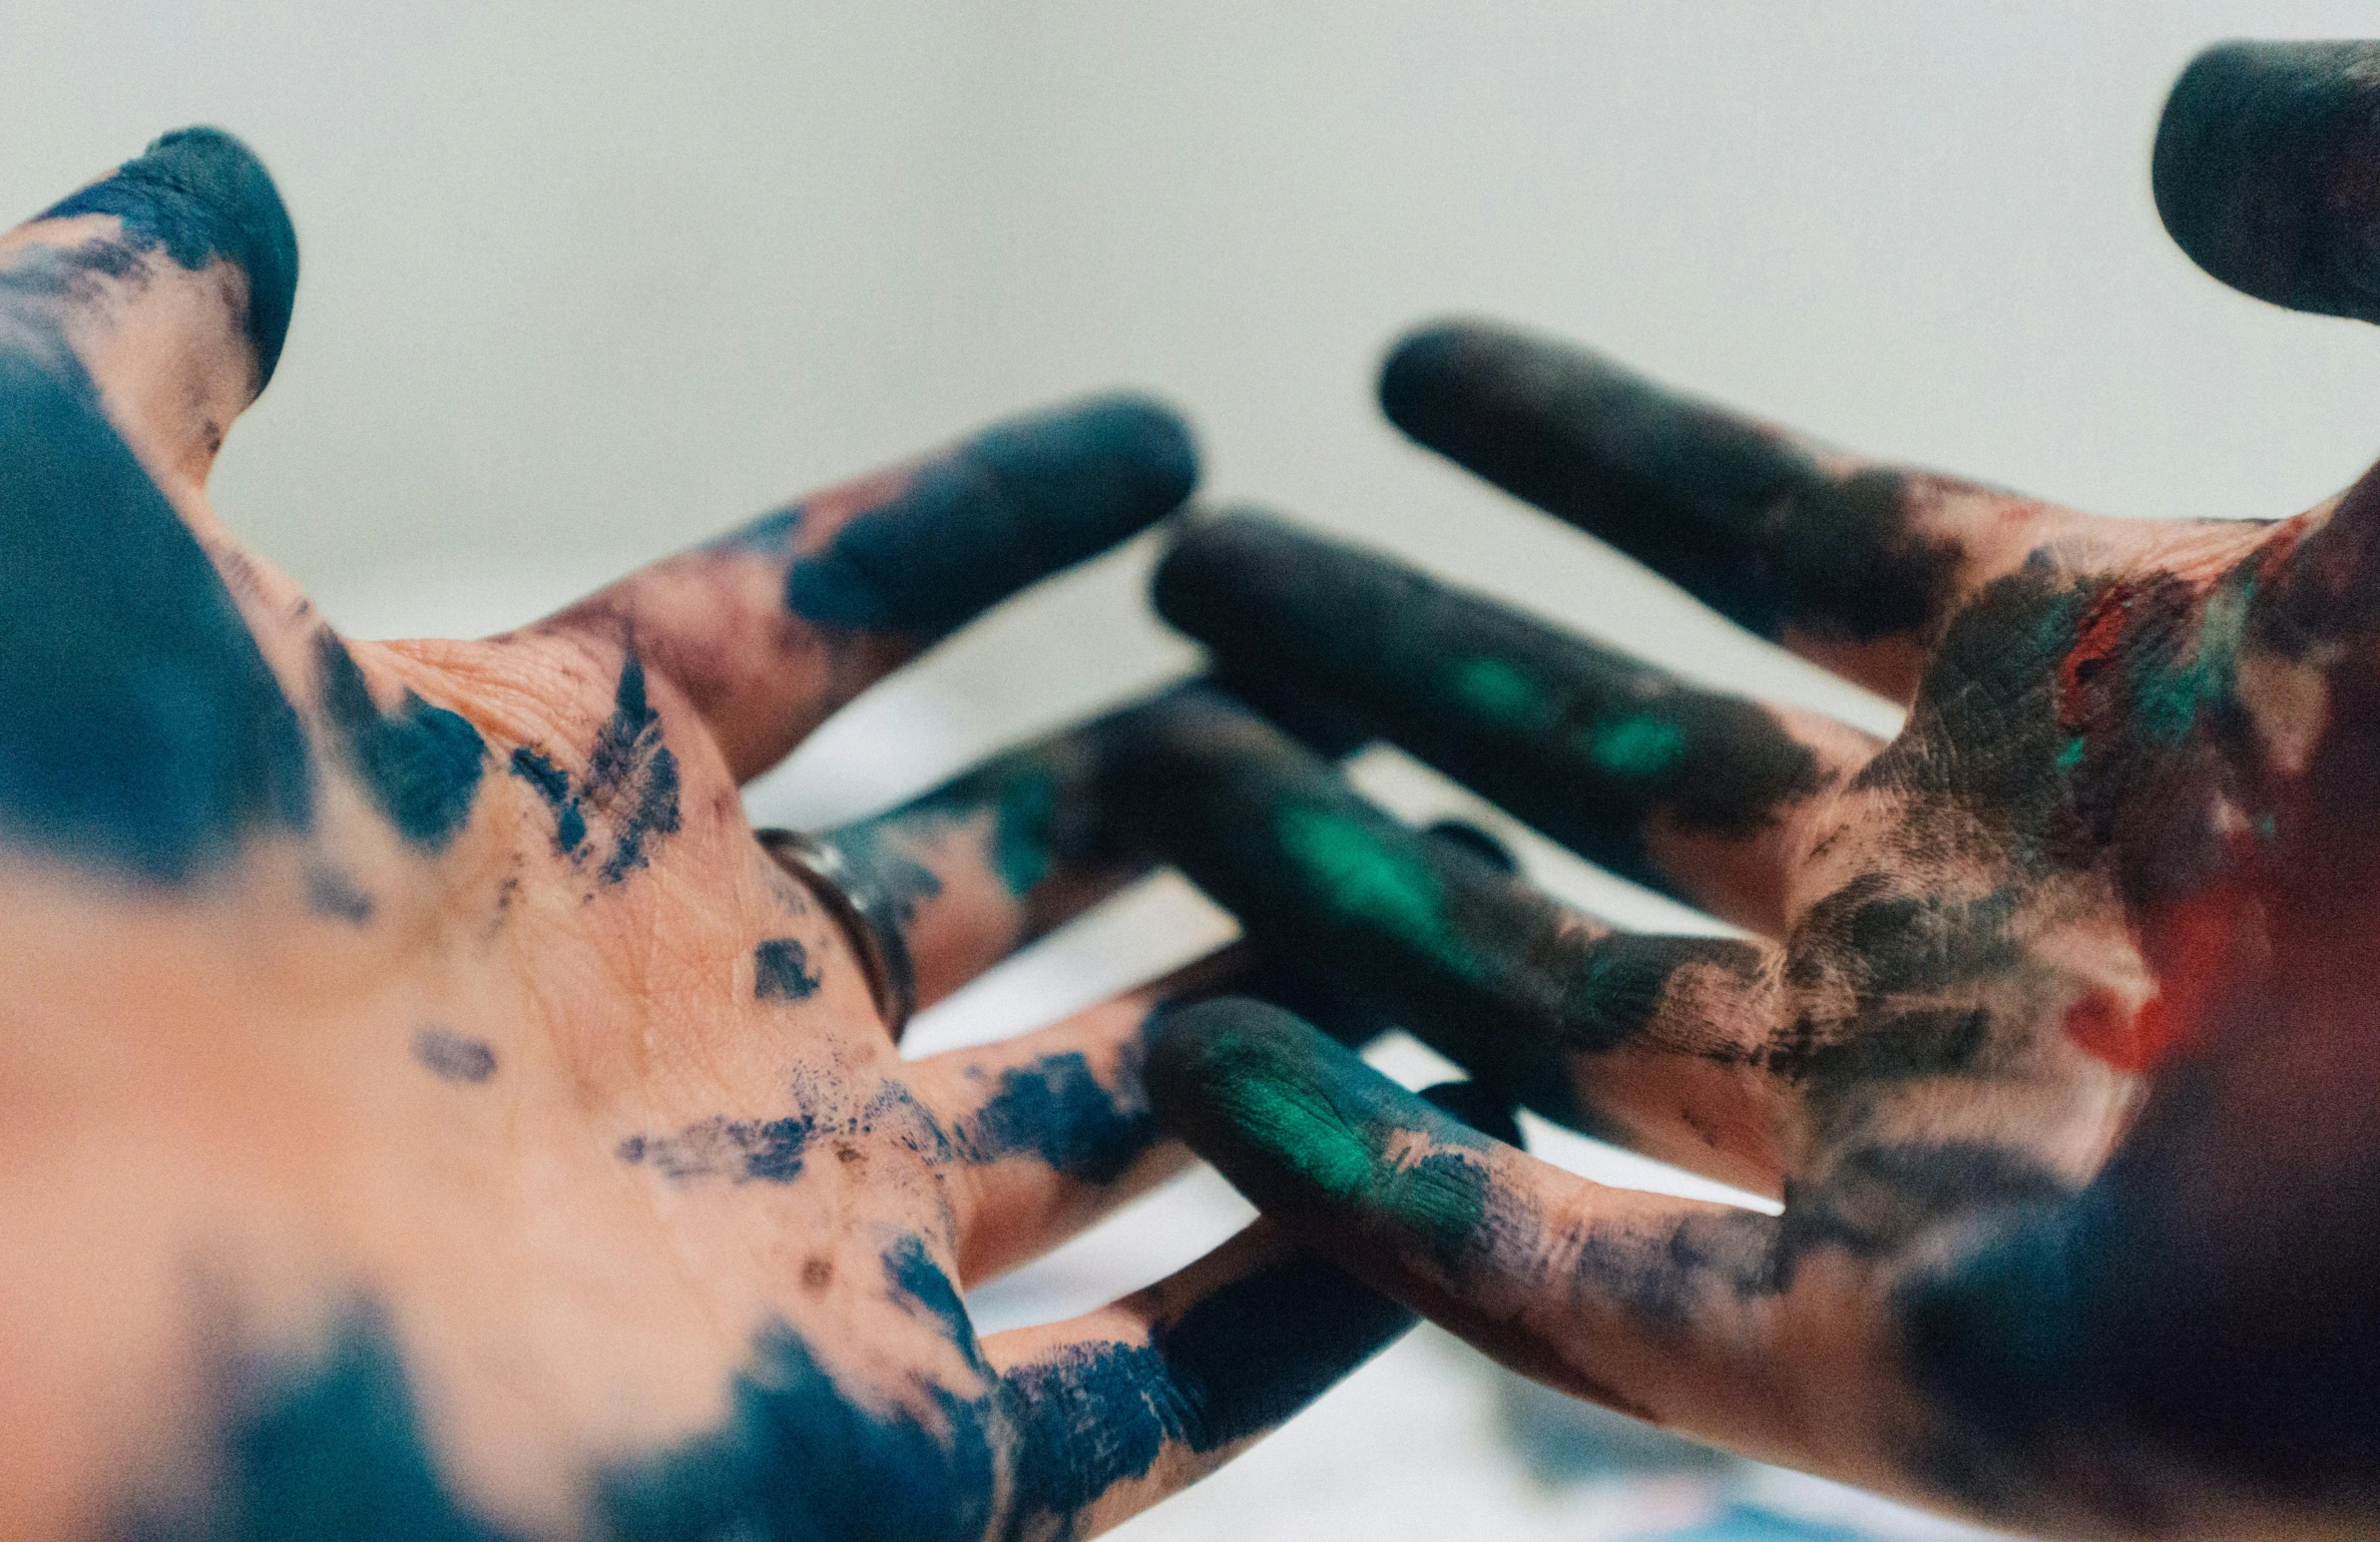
(584, 283)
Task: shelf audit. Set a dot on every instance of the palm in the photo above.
(432, 1114)
(2052, 1027)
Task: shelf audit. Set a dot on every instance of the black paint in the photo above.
(2263, 172)
(1749, 524)
(1579, 741)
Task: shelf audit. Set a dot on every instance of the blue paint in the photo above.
(336, 1448)
(1748, 1523)
(421, 766)
(141, 731)
(767, 535)
(198, 193)
(631, 783)
(1234, 1365)
(1017, 502)
(797, 1457)
(919, 1281)
(331, 892)
(452, 1057)
(552, 783)
(1056, 1109)
(632, 775)
(782, 971)
(332, 1449)
(739, 1150)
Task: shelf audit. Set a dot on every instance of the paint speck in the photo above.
(782, 971)
(453, 1058)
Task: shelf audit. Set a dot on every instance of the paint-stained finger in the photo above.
(1854, 565)
(1116, 1410)
(983, 865)
(2262, 171)
(772, 628)
(170, 279)
(1689, 791)
(1051, 1130)
(1673, 1310)
(1657, 1041)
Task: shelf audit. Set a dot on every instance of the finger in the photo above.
(1116, 1410)
(1691, 792)
(1664, 1043)
(1051, 1130)
(150, 738)
(1005, 853)
(1673, 1310)
(770, 629)
(1854, 565)
(172, 279)
(2263, 172)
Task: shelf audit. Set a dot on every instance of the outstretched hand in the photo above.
(425, 1110)
(2053, 1026)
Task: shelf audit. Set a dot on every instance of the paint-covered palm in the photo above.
(425, 1112)
(2055, 1021)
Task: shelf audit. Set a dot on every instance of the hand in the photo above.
(426, 1111)
(2054, 1027)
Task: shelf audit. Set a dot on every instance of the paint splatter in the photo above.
(420, 765)
(739, 1150)
(453, 1057)
(782, 971)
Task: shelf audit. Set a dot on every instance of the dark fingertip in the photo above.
(1012, 505)
(1479, 1107)
(201, 195)
(1429, 367)
(1207, 572)
(2266, 172)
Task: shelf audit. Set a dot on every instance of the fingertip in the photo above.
(1012, 505)
(1210, 559)
(1434, 375)
(201, 194)
(2265, 172)
(1106, 466)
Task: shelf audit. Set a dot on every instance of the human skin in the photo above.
(424, 1110)
(2055, 1021)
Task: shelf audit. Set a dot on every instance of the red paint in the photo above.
(2097, 640)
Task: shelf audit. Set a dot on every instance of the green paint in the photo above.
(2071, 756)
(1502, 693)
(1026, 811)
(1323, 1122)
(2168, 696)
(1639, 747)
(1369, 877)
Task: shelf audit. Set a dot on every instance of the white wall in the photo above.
(585, 282)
